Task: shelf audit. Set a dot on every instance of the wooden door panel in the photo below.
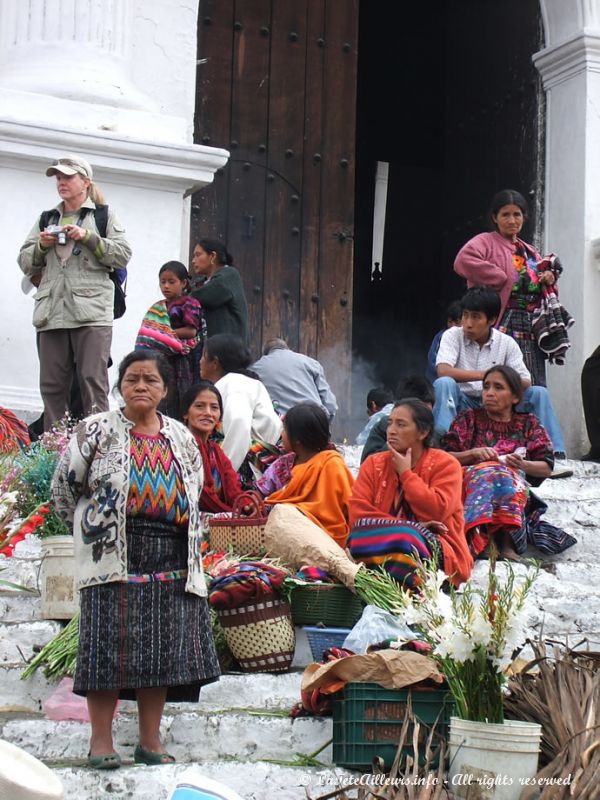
(249, 124)
(337, 195)
(309, 307)
(212, 117)
(284, 179)
(278, 90)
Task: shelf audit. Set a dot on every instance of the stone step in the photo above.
(579, 487)
(22, 571)
(561, 601)
(20, 641)
(19, 696)
(20, 606)
(190, 736)
(570, 513)
(252, 780)
(233, 690)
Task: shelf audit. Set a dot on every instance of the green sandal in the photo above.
(110, 761)
(150, 757)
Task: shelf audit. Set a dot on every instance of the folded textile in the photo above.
(14, 435)
(550, 324)
(314, 575)
(541, 534)
(156, 332)
(243, 583)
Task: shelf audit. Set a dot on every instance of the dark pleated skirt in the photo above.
(146, 634)
(517, 323)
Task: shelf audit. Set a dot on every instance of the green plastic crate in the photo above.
(329, 604)
(367, 722)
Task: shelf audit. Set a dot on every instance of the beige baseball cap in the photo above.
(71, 165)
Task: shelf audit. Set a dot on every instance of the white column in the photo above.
(570, 70)
(72, 49)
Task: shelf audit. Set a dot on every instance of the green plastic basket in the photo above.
(329, 604)
(367, 721)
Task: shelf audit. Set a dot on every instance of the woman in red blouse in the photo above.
(502, 453)
(202, 409)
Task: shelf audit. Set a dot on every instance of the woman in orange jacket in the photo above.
(313, 476)
(406, 504)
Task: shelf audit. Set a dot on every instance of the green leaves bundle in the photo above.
(59, 656)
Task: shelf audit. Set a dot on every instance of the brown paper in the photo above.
(298, 542)
(392, 669)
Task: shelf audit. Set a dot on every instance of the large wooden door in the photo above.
(277, 88)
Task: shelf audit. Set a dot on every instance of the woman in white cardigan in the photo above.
(251, 425)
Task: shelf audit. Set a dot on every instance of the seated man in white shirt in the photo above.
(466, 352)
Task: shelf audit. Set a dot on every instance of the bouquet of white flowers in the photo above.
(473, 632)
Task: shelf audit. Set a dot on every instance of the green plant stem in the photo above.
(476, 687)
(59, 656)
(302, 760)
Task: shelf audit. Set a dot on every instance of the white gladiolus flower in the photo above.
(461, 647)
(477, 627)
(481, 630)
(443, 607)
(7, 501)
(415, 615)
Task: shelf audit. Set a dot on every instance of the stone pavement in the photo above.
(240, 721)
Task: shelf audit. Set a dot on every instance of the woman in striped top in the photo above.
(128, 485)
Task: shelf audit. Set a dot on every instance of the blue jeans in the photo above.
(449, 401)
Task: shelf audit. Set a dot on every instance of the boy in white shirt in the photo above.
(466, 352)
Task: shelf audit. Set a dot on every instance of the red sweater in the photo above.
(432, 489)
(487, 260)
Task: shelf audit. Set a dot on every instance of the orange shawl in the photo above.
(320, 489)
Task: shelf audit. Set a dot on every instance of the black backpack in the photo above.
(117, 276)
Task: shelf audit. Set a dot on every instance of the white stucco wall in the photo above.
(170, 80)
(115, 82)
(153, 230)
(570, 69)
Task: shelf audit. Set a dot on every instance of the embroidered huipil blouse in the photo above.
(90, 491)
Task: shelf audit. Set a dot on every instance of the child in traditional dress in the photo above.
(176, 327)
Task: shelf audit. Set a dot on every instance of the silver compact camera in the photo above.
(59, 232)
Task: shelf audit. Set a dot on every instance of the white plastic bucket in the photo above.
(193, 785)
(24, 777)
(57, 578)
(501, 759)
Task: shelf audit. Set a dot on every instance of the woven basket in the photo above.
(260, 635)
(329, 604)
(242, 534)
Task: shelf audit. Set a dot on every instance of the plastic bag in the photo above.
(64, 704)
(193, 784)
(374, 626)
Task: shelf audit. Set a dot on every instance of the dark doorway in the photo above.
(277, 86)
(448, 96)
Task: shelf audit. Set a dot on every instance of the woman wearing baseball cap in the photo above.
(69, 260)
